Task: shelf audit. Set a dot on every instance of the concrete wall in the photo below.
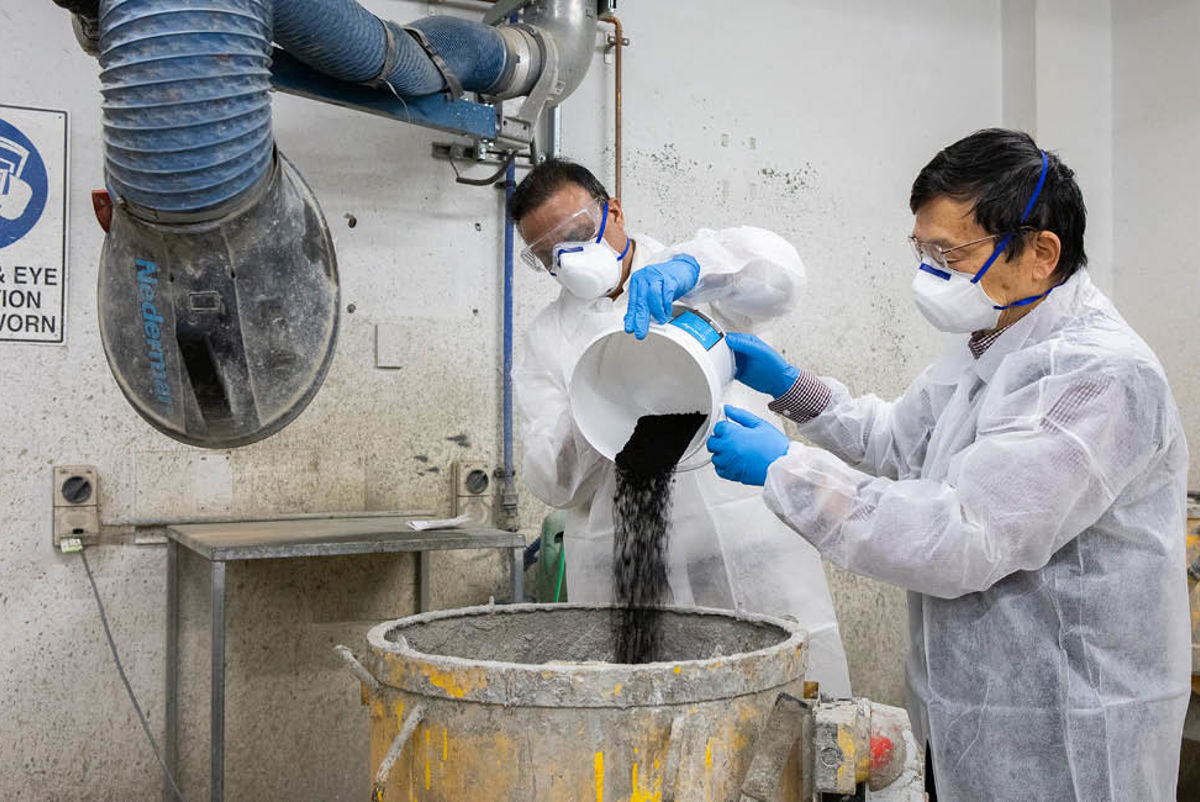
(1156, 161)
(808, 118)
(1057, 85)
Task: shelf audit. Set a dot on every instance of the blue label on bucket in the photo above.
(699, 328)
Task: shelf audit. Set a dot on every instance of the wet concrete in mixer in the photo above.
(567, 634)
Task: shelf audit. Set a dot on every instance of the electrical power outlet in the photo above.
(473, 492)
(76, 501)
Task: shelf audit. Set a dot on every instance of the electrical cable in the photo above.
(125, 679)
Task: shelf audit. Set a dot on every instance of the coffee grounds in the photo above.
(641, 515)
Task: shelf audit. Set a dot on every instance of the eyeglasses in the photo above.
(937, 256)
(582, 226)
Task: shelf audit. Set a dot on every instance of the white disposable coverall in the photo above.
(726, 549)
(1033, 502)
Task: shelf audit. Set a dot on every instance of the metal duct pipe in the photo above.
(572, 26)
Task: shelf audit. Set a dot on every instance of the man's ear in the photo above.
(614, 208)
(1047, 248)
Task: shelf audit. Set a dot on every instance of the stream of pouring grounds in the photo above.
(641, 518)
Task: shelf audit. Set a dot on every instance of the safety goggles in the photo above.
(585, 225)
(944, 258)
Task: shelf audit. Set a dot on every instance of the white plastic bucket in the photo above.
(682, 366)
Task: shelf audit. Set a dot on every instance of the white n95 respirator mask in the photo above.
(586, 269)
(952, 302)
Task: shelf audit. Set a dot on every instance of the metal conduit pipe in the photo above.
(619, 46)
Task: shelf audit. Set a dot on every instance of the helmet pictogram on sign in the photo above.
(23, 184)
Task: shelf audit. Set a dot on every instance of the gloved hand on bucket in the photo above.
(759, 366)
(654, 288)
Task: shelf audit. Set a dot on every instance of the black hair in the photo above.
(548, 178)
(997, 170)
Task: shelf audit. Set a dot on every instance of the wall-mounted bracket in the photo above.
(437, 111)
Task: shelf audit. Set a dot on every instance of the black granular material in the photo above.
(641, 515)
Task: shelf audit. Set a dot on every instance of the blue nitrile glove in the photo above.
(654, 288)
(744, 446)
(759, 366)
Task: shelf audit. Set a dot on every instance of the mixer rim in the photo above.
(397, 664)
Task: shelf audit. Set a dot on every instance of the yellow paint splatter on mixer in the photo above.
(599, 766)
(678, 669)
(845, 742)
(617, 688)
(426, 758)
(457, 684)
(644, 793)
(708, 754)
(445, 744)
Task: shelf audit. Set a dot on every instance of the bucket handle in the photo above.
(407, 728)
(790, 720)
(357, 669)
(720, 416)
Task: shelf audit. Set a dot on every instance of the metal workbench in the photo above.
(220, 543)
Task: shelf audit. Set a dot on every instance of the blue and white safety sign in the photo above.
(33, 224)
